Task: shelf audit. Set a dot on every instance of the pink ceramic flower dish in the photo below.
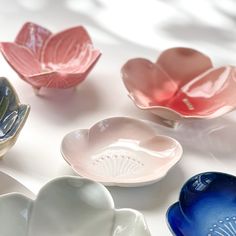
(121, 151)
(44, 59)
(182, 83)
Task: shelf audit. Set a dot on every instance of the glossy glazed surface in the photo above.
(10, 185)
(44, 59)
(68, 206)
(121, 33)
(206, 206)
(182, 83)
(121, 151)
(12, 116)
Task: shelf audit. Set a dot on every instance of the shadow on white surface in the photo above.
(194, 31)
(62, 106)
(221, 141)
(151, 197)
(207, 145)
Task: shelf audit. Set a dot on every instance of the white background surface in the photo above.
(122, 30)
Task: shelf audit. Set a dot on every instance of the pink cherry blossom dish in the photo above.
(121, 151)
(182, 83)
(44, 59)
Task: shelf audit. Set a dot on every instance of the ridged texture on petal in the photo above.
(56, 80)
(21, 59)
(70, 51)
(33, 36)
(62, 60)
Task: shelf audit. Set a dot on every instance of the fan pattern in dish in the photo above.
(121, 151)
(117, 163)
(225, 227)
(206, 206)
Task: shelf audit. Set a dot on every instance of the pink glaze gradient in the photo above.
(181, 84)
(121, 151)
(43, 59)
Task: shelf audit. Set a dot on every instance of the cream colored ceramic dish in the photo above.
(121, 151)
(68, 206)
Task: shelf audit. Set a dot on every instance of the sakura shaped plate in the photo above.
(68, 206)
(120, 151)
(182, 83)
(13, 115)
(43, 59)
(206, 206)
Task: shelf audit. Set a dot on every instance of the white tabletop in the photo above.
(121, 29)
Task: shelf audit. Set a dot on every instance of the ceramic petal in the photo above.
(12, 116)
(69, 206)
(206, 206)
(121, 151)
(181, 84)
(33, 37)
(21, 59)
(43, 59)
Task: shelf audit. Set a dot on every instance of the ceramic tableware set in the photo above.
(118, 151)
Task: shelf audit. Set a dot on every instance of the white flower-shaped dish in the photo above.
(121, 151)
(68, 206)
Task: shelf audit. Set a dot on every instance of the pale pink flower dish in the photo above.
(44, 59)
(121, 151)
(182, 83)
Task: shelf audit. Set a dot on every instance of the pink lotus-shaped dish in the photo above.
(43, 59)
(182, 83)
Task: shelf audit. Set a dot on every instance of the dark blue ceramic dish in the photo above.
(206, 207)
(13, 115)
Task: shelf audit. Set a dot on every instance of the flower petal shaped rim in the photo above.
(48, 66)
(58, 207)
(113, 143)
(180, 99)
(206, 206)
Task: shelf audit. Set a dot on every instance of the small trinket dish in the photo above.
(68, 206)
(206, 206)
(121, 151)
(43, 59)
(13, 116)
(182, 83)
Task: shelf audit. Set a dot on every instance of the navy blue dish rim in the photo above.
(206, 206)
